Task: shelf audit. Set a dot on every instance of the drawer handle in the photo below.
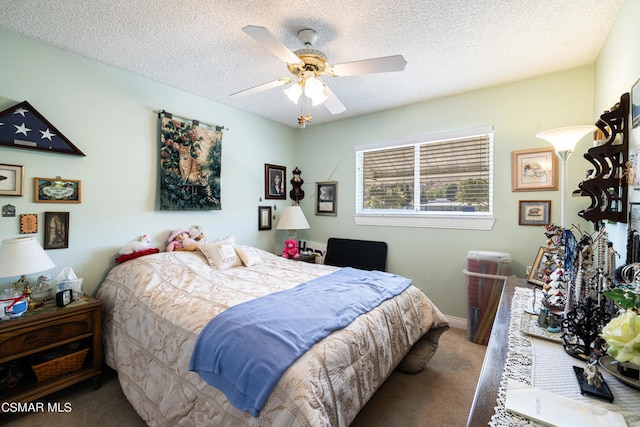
(53, 333)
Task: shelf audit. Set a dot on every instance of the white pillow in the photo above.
(249, 255)
(221, 255)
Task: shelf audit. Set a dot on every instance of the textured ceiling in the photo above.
(451, 46)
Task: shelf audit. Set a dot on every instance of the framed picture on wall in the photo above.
(635, 104)
(534, 170)
(56, 230)
(634, 217)
(275, 185)
(264, 218)
(327, 198)
(11, 177)
(57, 190)
(534, 212)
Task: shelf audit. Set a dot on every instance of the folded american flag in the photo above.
(22, 126)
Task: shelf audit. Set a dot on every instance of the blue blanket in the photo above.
(244, 351)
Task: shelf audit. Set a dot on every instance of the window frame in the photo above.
(415, 217)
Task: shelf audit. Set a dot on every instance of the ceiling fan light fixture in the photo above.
(313, 88)
(294, 91)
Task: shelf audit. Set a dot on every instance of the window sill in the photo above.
(446, 222)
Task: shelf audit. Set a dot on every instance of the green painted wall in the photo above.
(110, 115)
(435, 258)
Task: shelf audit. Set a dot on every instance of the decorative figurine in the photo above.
(296, 192)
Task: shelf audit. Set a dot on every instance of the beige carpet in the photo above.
(440, 395)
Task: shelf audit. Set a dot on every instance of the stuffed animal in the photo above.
(196, 233)
(181, 240)
(290, 249)
(136, 249)
(136, 245)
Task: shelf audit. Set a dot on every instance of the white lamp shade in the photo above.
(313, 87)
(292, 219)
(22, 256)
(565, 139)
(293, 92)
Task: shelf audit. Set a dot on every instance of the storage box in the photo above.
(486, 274)
(58, 362)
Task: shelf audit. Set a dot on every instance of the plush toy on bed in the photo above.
(184, 240)
(290, 249)
(136, 248)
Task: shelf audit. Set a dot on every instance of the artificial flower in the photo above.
(622, 335)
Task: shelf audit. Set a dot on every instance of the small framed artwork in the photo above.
(327, 198)
(534, 212)
(11, 177)
(275, 185)
(56, 190)
(534, 170)
(634, 217)
(544, 264)
(264, 218)
(635, 104)
(56, 230)
(28, 223)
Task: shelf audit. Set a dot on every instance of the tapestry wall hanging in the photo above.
(190, 163)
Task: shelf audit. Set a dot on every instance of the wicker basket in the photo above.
(60, 365)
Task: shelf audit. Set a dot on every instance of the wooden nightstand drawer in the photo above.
(39, 332)
(49, 334)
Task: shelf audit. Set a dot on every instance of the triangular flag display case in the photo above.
(22, 126)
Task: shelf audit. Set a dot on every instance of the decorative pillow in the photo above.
(221, 255)
(249, 255)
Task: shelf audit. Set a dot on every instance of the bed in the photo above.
(154, 308)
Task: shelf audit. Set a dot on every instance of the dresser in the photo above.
(43, 331)
(530, 355)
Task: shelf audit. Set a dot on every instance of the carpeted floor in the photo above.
(440, 395)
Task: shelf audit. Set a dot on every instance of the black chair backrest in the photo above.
(362, 254)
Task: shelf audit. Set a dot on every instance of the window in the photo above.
(442, 180)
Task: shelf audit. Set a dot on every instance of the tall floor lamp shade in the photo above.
(564, 141)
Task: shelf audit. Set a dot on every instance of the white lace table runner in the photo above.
(544, 364)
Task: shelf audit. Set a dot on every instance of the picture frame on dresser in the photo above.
(544, 262)
(56, 230)
(534, 170)
(11, 180)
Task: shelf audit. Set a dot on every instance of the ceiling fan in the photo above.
(308, 64)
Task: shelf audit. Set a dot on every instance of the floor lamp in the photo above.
(564, 141)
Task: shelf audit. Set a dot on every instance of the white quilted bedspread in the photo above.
(155, 306)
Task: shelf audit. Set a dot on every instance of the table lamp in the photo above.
(292, 219)
(22, 256)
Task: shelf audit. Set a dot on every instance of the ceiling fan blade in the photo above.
(260, 88)
(369, 66)
(332, 103)
(268, 40)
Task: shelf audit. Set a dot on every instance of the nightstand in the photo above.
(44, 330)
(310, 258)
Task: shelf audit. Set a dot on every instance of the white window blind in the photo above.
(440, 175)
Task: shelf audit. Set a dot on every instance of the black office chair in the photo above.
(362, 254)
